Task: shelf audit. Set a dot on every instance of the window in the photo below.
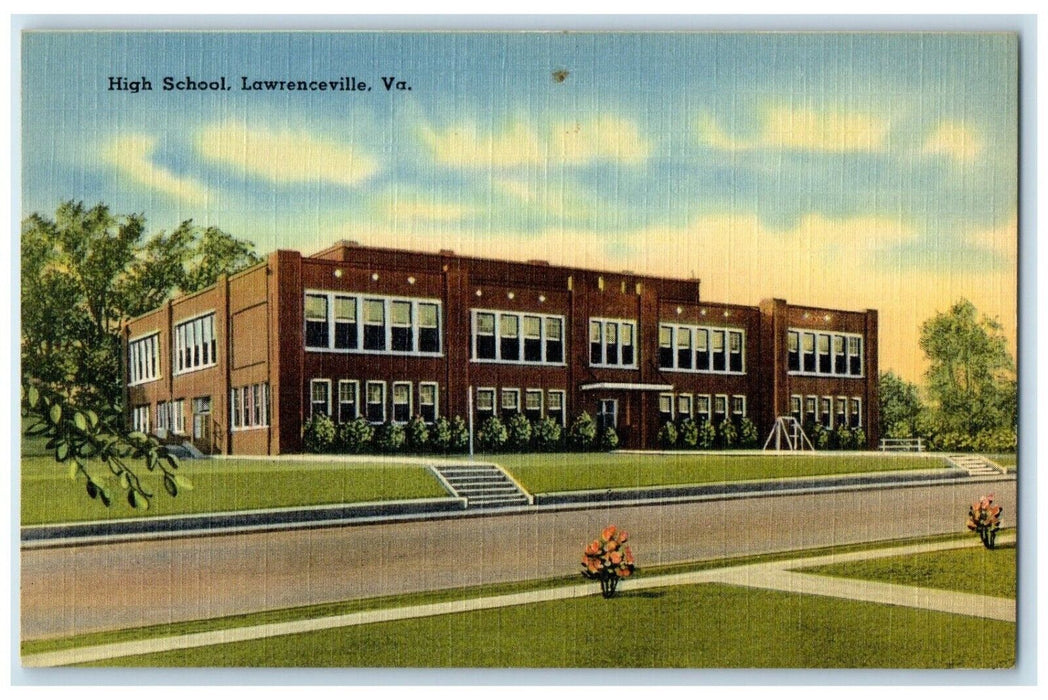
(162, 417)
(734, 351)
(826, 411)
(856, 412)
(401, 402)
(738, 406)
(533, 404)
(718, 351)
(320, 397)
(401, 333)
(427, 401)
(666, 347)
(348, 401)
(607, 415)
(809, 352)
(840, 361)
(612, 343)
(202, 418)
(810, 413)
(793, 342)
(428, 327)
(376, 401)
(555, 405)
(532, 339)
(195, 346)
(143, 359)
(825, 366)
(177, 416)
(374, 324)
(855, 356)
(702, 407)
(485, 403)
(543, 337)
(841, 416)
(510, 403)
(684, 354)
(795, 407)
(316, 321)
(701, 349)
(684, 406)
(720, 407)
(346, 330)
(509, 337)
(140, 418)
(665, 408)
(249, 406)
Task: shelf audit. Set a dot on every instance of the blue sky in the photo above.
(856, 170)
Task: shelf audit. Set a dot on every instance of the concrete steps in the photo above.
(975, 465)
(482, 485)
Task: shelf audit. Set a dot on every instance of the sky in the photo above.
(847, 170)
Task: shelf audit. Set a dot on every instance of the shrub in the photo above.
(859, 438)
(547, 433)
(390, 437)
(459, 435)
(609, 439)
(819, 436)
(995, 440)
(318, 435)
(417, 434)
(748, 436)
(688, 434)
(727, 434)
(583, 432)
(984, 518)
(492, 435)
(842, 438)
(355, 436)
(667, 436)
(607, 560)
(440, 436)
(707, 435)
(518, 429)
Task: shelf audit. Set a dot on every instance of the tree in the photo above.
(901, 406)
(86, 271)
(971, 377)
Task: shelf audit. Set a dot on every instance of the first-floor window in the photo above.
(533, 404)
(177, 415)
(665, 408)
(140, 418)
(795, 407)
(684, 406)
(401, 402)
(702, 407)
(162, 416)
(810, 410)
(555, 405)
(856, 412)
(348, 401)
(320, 397)
(249, 406)
(485, 403)
(841, 417)
(202, 418)
(826, 411)
(738, 406)
(720, 407)
(510, 403)
(376, 396)
(427, 401)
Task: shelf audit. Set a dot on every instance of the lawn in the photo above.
(547, 473)
(970, 570)
(48, 496)
(696, 626)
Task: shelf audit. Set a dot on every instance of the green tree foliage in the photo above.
(354, 437)
(688, 434)
(318, 434)
(440, 436)
(707, 435)
(390, 437)
(667, 435)
(492, 435)
(87, 270)
(417, 434)
(459, 435)
(971, 377)
(518, 429)
(901, 406)
(748, 436)
(547, 434)
(583, 432)
(609, 439)
(727, 434)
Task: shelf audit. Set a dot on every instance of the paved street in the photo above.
(74, 590)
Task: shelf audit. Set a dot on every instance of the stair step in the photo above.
(483, 486)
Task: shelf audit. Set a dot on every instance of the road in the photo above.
(75, 590)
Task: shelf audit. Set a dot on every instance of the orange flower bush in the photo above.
(608, 559)
(985, 518)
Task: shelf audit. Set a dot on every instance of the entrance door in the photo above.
(607, 414)
(202, 423)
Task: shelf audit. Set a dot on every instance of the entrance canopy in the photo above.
(625, 386)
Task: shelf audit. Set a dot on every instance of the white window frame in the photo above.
(603, 322)
(731, 405)
(563, 404)
(856, 401)
(162, 421)
(255, 416)
(695, 330)
(836, 404)
(140, 418)
(827, 421)
(672, 401)
(497, 330)
(487, 391)
(542, 404)
(800, 406)
(393, 402)
(727, 406)
(177, 416)
(691, 405)
(436, 400)
(312, 382)
(143, 359)
(356, 397)
(367, 400)
(848, 339)
(708, 400)
(184, 329)
(359, 299)
(506, 392)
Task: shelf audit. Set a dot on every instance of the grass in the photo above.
(971, 570)
(1005, 459)
(48, 496)
(694, 626)
(545, 473)
(428, 597)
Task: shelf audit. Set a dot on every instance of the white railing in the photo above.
(902, 444)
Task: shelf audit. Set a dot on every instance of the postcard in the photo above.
(519, 350)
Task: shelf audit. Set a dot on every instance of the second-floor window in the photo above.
(195, 345)
(503, 336)
(701, 348)
(613, 343)
(828, 354)
(368, 323)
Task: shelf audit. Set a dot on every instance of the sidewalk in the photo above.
(777, 576)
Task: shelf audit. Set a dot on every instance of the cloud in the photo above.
(131, 154)
(785, 128)
(1000, 241)
(953, 140)
(417, 209)
(604, 139)
(285, 156)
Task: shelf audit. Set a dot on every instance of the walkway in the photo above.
(771, 576)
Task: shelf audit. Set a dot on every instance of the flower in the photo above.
(593, 548)
(608, 533)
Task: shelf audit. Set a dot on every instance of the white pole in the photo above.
(469, 410)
